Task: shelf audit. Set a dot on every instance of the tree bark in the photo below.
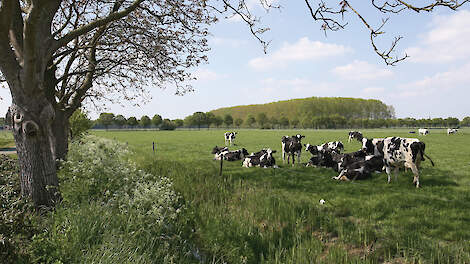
(35, 143)
(61, 130)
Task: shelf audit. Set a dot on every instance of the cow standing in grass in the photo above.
(423, 131)
(403, 152)
(229, 137)
(291, 146)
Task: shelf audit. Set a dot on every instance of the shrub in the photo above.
(112, 211)
(17, 217)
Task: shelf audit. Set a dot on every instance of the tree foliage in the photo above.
(132, 121)
(349, 108)
(79, 124)
(106, 119)
(157, 120)
(144, 121)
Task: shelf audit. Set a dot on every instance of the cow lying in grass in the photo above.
(452, 131)
(325, 155)
(217, 151)
(263, 158)
(333, 146)
(361, 168)
(235, 154)
(355, 135)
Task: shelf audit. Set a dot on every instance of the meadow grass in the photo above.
(261, 215)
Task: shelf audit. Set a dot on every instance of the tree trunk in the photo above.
(61, 129)
(35, 143)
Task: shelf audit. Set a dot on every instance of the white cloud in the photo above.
(206, 75)
(447, 41)
(361, 70)
(441, 82)
(302, 50)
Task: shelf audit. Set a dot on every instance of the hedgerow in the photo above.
(112, 211)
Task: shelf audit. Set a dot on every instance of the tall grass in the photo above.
(273, 215)
(112, 212)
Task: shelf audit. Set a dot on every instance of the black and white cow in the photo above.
(291, 146)
(345, 159)
(235, 154)
(229, 137)
(334, 146)
(423, 131)
(452, 131)
(372, 146)
(263, 158)
(322, 156)
(355, 134)
(361, 169)
(399, 152)
(217, 152)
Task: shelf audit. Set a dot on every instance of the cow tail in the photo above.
(424, 154)
(432, 163)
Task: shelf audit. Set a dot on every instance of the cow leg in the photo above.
(395, 172)
(293, 159)
(283, 152)
(298, 155)
(416, 175)
(388, 171)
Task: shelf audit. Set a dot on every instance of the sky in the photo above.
(302, 62)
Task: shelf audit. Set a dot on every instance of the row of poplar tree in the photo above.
(262, 120)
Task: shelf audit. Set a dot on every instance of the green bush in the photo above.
(18, 222)
(112, 212)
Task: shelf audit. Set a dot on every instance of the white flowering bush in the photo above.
(97, 168)
(108, 200)
(154, 204)
(100, 169)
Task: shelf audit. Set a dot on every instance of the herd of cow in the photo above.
(376, 155)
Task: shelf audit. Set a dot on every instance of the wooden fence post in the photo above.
(221, 165)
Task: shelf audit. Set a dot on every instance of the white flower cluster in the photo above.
(100, 169)
(156, 202)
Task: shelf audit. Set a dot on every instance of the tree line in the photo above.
(206, 120)
(349, 108)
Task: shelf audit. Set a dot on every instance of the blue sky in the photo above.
(302, 62)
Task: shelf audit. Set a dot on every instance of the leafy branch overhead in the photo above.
(332, 16)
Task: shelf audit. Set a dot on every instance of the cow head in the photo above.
(216, 149)
(285, 139)
(310, 148)
(245, 152)
(298, 137)
(339, 147)
(367, 145)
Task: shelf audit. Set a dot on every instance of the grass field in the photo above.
(261, 215)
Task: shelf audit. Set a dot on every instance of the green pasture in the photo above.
(261, 215)
(250, 215)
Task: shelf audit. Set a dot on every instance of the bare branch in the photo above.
(95, 24)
